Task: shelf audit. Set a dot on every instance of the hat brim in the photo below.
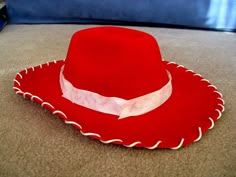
(192, 109)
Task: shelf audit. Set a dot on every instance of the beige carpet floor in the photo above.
(33, 142)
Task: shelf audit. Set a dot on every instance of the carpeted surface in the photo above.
(33, 142)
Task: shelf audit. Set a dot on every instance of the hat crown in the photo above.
(115, 62)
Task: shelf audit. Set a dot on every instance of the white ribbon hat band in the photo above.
(114, 105)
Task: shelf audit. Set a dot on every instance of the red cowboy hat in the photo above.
(114, 86)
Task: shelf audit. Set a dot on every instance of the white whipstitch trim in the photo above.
(46, 103)
(111, 141)
(205, 80)
(60, 112)
(189, 70)
(212, 86)
(180, 66)
(219, 113)
(180, 144)
(155, 145)
(27, 93)
(218, 93)
(132, 144)
(17, 81)
(200, 134)
(55, 61)
(16, 88)
(40, 66)
(32, 68)
(219, 98)
(90, 134)
(171, 63)
(223, 108)
(26, 71)
(212, 123)
(34, 96)
(18, 92)
(19, 75)
(197, 75)
(73, 123)
(47, 63)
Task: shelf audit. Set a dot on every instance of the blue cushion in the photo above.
(214, 14)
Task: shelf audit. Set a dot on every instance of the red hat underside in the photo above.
(191, 110)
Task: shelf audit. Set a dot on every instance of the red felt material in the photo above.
(115, 61)
(125, 63)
